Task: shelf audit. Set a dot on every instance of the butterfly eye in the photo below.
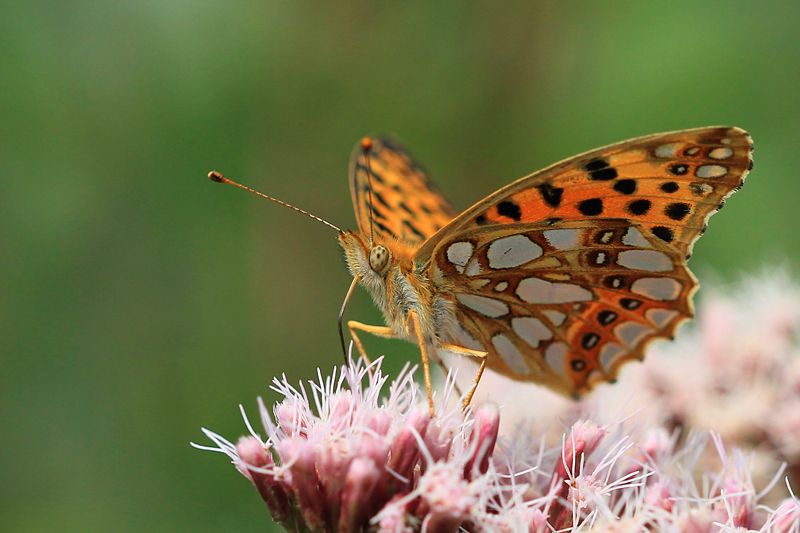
(379, 258)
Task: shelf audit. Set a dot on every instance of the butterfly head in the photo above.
(370, 262)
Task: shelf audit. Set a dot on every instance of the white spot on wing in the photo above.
(556, 317)
(720, 153)
(649, 260)
(562, 239)
(632, 333)
(513, 251)
(478, 283)
(438, 275)
(633, 237)
(531, 330)
(510, 354)
(609, 354)
(539, 291)
(711, 171)
(473, 268)
(500, 287)
(657, 288)
(459, 253)
(486, 306)
(661, 317)
(668, 150)
(554, 355)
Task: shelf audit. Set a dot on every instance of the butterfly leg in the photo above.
(426, 363)
(387, 333)
(483, 356)
(378, 331)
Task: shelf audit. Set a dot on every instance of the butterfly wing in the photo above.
(670, 183)
(568, 273)
(406, 205)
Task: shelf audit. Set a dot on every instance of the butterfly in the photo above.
(558, 278)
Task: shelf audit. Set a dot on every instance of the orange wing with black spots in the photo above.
(406, 205)
(669, 183)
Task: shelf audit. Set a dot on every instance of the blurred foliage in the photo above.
(139, 301)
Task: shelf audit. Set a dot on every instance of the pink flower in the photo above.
(338, 456)
(356, 461)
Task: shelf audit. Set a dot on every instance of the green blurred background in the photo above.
(139, 301)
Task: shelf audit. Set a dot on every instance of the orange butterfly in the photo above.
(558, 278)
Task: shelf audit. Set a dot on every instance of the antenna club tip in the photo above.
(216, 176)
(366, 144)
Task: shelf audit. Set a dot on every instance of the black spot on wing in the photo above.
(413, 230)
(405, 208)
(383, 229)
(663, 233)
(606, 317)
(589, 341)
(639, 207)
(677, 210)
(669, 187)
(678, 169)
(596, 164)
(626, 186)
(630, 304)
(591, 207)
(599, 170)
(510, 209)
(377, 196)
(377, 213)
(377, 177)
(604, 174)
(551, 195)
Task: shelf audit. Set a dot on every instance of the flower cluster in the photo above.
(737, 371)
(358, 453)
(356, 462)
(357, 458)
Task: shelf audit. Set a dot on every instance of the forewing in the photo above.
(564, 305)
(405, 203)
(669, 184)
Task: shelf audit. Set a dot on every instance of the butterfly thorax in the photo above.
(386, 269)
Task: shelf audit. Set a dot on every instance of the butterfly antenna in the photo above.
(366, 147)
(219, 178)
